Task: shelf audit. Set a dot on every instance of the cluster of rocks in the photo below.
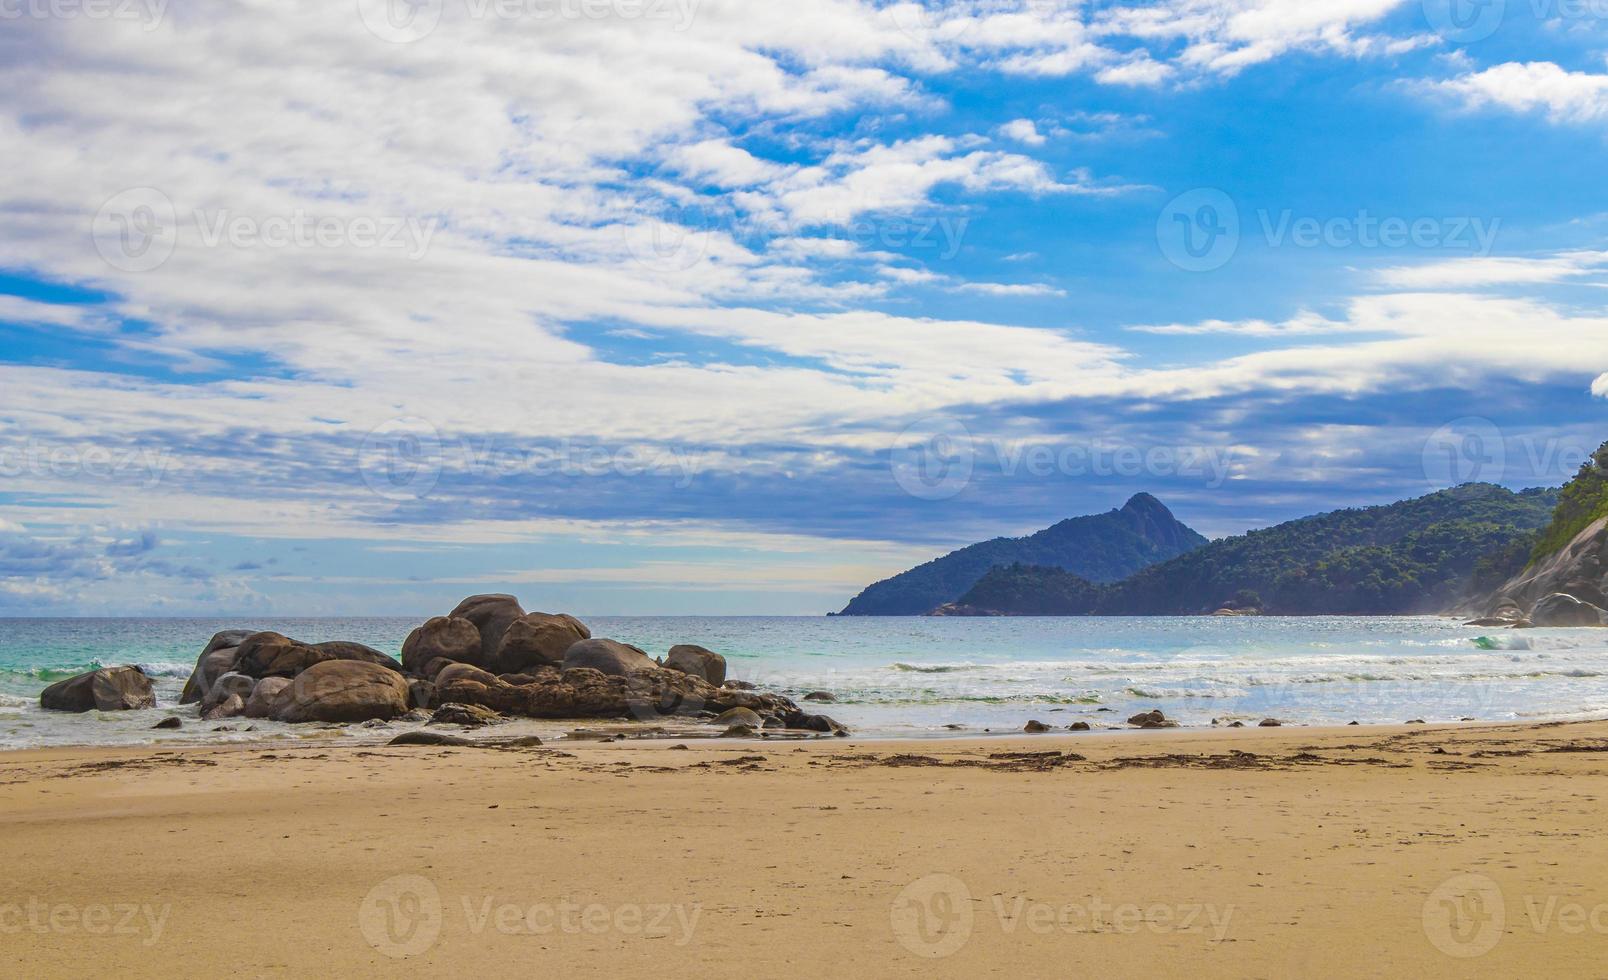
(1557, 610)
(485, 660)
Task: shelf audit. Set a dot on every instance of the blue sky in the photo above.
(697, 306)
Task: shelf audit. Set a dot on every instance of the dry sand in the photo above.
(1472, 851)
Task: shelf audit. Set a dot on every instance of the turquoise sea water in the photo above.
(934, 677)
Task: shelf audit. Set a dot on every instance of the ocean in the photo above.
(932, 677)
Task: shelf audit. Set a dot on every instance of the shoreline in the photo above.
(1226, 853)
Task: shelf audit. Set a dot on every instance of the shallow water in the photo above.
(921, 676)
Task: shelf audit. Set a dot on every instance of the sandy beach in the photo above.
(1475, 850)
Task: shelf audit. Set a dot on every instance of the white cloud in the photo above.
(1472, 273)
(1565, 96)
(1022, 131)
(1010, 289)
(1600, 387)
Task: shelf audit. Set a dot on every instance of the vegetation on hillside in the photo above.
(1415, 556)
(1581, 503)
(1101, 548)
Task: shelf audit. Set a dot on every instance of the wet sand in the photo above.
(1471, 850)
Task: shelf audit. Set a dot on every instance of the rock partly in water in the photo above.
(225, 686)
(821, 697)
(456, 640)
(343, 691)
(1145, 718)
(216, 659)
(260, 703)
(608, 657)
(1036, 728)
(172, 721)
(1080, 726)
(1270, 723)
(537, 640)
(698, 661)
(1561, 610)
(107, 689)
(229, 707)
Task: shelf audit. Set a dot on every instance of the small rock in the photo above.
(1354, 724)
(1036, 728)
(467, 715)
(1417, 721)
(1080, 726)
(1270, 723)
(1237, 724)
(739, 731)
(821, 696)
(740, 716)
(739, 685)
(428, 738)
(678, 747)
(233, 705)
(172, 722)
(1148, 718)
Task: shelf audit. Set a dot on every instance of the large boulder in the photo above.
(229, 707)
(607, 657)
(275, 655)
(260, 704)
(699, 662)
(492, 615)
(216, 660)
(1579, 569)
(537, 640)
(108, 689)
(1559, 609)
(343, 691)
(452, 672)
(583, 692)
(444, 637)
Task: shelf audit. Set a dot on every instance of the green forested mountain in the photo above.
(1581, 503)
(1415, 556)
(1101, 548)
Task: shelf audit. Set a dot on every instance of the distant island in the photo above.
(1101, 548)
(1421, 556)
